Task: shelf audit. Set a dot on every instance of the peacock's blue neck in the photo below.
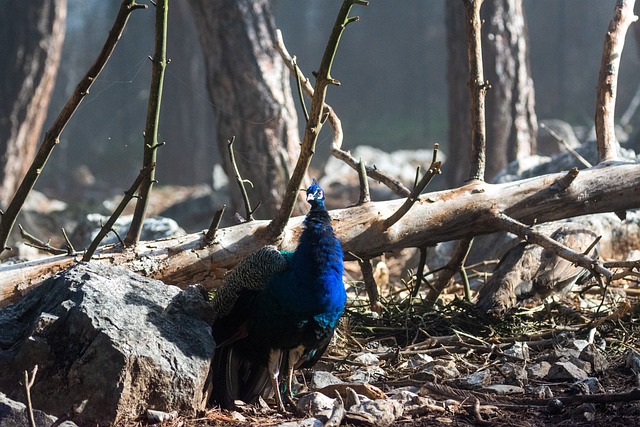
(316, 268)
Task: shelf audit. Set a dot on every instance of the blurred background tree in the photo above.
(393, 69)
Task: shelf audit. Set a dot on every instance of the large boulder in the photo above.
(106, 347)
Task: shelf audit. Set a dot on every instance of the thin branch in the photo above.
(608, 80)
(298, 85)
(370, 285)
(34, 242)
(420, 274)
(28, 383)
(477, 88)
(128, 195)
(336, 151)
(52, 137)
(365, 196)
(565, 182)
(530, 235)
(159, 63)
(566, 145)
(434, 169)
(453, 266)
(70, 249)
(210, 236)
(314, 125)
(243, 190)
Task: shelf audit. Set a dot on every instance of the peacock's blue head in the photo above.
(315, 195)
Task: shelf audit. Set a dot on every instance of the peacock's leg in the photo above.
(275, 357)
(293, 359)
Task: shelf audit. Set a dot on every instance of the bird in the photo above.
(277, 311)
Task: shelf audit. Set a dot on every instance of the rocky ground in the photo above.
(570, 362)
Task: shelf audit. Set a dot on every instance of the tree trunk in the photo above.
(32, 34)
(511, 120)
(249, 87)
(513, 126)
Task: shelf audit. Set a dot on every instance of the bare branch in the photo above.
(477, 88)
(128, 195)
(28, 383)
(532, 236)
(336, 144)
(159, 63)
(240, 181)
(370, 285)
(365, 197)
(453, 266)
(608, 80)
(210, 236)
(52, 137)
(567, 147)
(314, 125)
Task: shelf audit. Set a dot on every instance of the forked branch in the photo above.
(314, 124)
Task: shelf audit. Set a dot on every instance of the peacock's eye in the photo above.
(319, 194)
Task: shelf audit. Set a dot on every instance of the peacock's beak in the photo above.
(310, 197)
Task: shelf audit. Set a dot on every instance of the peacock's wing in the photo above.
(251, 274)
(237, 367)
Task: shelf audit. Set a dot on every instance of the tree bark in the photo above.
(436, 217)
(513, 127)
(249, 87)
(510, 114)
(32, 34)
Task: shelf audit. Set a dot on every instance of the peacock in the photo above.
(277, 311)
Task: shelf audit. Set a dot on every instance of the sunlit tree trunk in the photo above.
(249, 87)
(32, 34)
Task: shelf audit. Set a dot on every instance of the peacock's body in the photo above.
(277, 311)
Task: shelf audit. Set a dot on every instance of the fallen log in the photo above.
(436, 217)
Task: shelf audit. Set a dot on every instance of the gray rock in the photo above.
(474, 381)
(519, 350)
(316, 404)
(101, 338)
(632, 361)
(539, 370)
(565, 371)
(15, 414)
(377, 412)
(154, 228)
(590, 385)
(513, 374)
(320, 379)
